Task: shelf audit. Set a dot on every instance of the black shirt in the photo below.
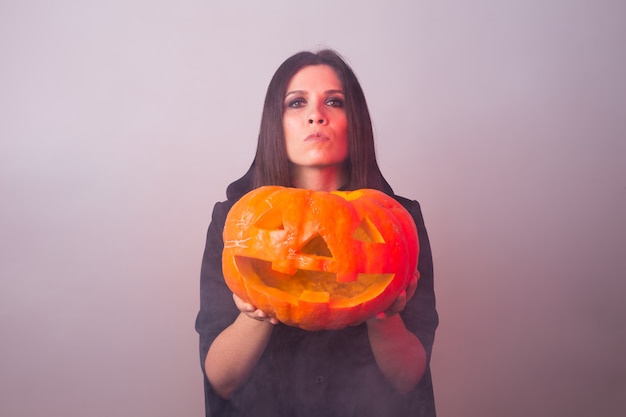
(322, 373)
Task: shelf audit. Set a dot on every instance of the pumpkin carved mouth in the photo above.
(312, 286)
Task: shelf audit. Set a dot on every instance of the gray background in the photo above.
(122, 122)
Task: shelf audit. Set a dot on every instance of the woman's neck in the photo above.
(328, 178)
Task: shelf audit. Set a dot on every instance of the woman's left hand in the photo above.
(402, 299)
(399, 354)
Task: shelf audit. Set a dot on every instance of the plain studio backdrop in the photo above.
(122, 122)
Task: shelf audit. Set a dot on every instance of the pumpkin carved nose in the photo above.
(316, 246)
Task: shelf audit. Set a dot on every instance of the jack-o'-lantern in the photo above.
(319, 260)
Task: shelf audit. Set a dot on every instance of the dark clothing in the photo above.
(320, 373)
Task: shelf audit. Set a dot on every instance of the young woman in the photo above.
(315, 133)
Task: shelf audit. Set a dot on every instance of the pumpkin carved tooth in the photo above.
(319, 260)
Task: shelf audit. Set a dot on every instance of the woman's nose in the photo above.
(317, 115)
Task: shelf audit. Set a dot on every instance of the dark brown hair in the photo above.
(271, 164)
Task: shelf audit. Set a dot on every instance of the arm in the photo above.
(399, 353)
(231, 337)
(419, 318)
(236, 350)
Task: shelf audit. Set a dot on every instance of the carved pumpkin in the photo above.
(319, 260)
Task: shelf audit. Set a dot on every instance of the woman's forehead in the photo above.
(315, 77)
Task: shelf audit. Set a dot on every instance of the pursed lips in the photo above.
(317, 136)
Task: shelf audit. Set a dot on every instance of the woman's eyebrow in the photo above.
(299, 92)
(302, 92)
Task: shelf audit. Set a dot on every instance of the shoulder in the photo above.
(234, 192)
(413, 207)
(407, 203)
(415, 210)
(221, 208)
(410, 204)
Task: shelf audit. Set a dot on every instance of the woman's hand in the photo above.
(236, 350)
(402, 299)
(252, 312)
(399, 353)
(399, 304)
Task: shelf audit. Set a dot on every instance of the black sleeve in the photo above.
(420, 315)
(217, 308)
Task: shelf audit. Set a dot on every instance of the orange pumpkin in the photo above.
(319, 260)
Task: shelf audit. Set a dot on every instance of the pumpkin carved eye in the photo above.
(318, 260)
(272, 219)
(367, 232)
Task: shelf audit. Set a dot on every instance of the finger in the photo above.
(399, 304)
(260, 315)
(412, 287)
(242, 305)
(263, 316)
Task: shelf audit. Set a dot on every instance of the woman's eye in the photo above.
(296, 103)
(334, 102)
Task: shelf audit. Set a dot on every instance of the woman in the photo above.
(315, 133)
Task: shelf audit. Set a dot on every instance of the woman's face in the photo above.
(314, 118)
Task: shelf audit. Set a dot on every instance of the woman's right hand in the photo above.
(252, 312)
(237, 349)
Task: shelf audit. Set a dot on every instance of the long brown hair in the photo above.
(271, 164)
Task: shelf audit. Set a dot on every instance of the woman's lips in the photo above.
(316, 137)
